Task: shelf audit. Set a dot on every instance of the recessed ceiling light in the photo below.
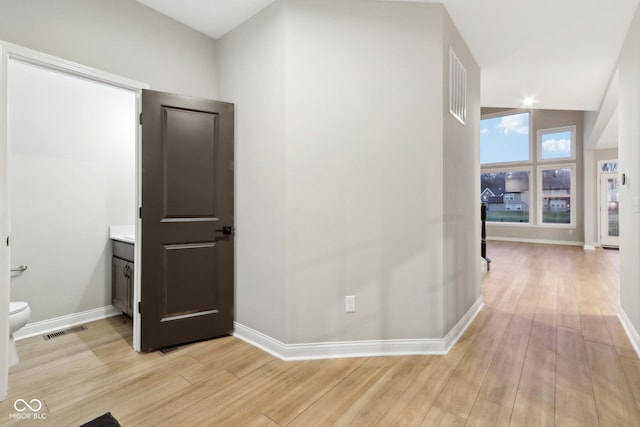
(528, 101)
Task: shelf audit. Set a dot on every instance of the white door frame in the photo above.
(600, 196)
(10, 51)
(604, 215)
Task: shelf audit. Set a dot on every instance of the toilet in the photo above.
(19, 314)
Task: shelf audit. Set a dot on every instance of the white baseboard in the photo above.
(484, 266)
(332, 350)
(541, 241)
(632, 333)
(63, 322)
(456, 332)
(589, 247)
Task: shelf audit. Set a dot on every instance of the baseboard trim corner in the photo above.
(341, 349)
(63, 322)
(456, 332)
(365, 348)
(631, 331)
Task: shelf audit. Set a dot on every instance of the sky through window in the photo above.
(504, 139)
(555, 145)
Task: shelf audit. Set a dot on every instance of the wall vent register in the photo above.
(457, 88)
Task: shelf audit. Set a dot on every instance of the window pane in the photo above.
(613, 190)
(507, 196)
(556, 196)
(556, 145)
(609, 167)
(504, 139)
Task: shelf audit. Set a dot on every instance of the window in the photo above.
(526, 181)
(610, 166)
(506, 194)
(505, 139)
(556, 187)
(554, 144)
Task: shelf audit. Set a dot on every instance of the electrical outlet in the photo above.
(350, 304)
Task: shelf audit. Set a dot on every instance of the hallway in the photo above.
(562, 352)
(547, 349)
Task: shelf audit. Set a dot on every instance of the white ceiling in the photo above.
(562, 52)
(212, 17)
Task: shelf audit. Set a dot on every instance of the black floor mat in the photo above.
(105, 420)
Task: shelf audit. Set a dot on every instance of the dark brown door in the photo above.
(187, 219)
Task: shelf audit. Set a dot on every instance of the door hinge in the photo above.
(7, 241)
(140, 212)
(139, 307)
(140, 119)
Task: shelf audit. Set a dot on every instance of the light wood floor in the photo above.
(546, 350)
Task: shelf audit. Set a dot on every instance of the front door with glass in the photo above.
(609, 208)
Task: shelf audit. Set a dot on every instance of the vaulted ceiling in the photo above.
(560, 52)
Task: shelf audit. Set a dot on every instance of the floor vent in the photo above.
(64, 332)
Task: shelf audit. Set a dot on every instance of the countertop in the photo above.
(123, 233)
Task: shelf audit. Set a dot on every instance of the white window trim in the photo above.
(573, 194)
(531, 193)
(511, 113)
(542, 132)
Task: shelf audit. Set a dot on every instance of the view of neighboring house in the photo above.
(504, 192)
(516, 192)
(503, 201)
(513, 202)
(556, 185)
(493, 197)
(556, 205)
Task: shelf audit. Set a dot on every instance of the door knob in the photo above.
(226, 230)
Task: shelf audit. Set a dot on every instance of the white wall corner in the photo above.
(456, 332)
(64, 322)
(631, 331)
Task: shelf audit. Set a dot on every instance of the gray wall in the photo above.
(546, 119)
(252, 75)
(629, 160)
(461, 145)
(364, 130)
(119, 36)
(340, 159)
